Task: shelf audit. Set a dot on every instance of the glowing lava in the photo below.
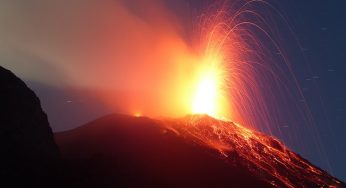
(205, 100)
(264, 156)
(209, 95)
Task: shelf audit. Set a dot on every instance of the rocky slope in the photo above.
(264, 156)
(195, 151)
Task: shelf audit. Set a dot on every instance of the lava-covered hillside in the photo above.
(263, 155)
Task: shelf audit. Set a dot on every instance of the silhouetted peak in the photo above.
(28, 151)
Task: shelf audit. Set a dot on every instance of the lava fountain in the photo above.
(240, 79)
(233, 68)
(209, 96)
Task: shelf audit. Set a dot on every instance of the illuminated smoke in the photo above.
(131, 53)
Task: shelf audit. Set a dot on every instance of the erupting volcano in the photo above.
(207, 104)
(231, 75)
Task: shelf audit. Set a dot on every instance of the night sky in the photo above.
(321, 29)
(319, 66)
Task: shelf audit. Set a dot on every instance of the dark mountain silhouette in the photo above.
(29, 155)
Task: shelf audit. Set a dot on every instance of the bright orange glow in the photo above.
(208, 93)
(137, 114)
(204, 102)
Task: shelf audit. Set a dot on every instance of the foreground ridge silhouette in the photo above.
(29, 156)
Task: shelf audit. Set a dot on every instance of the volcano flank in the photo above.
(194, 151)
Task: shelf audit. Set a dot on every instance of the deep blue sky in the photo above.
(320, 67)
(321, 30)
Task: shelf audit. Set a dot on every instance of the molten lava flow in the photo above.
(263, 155)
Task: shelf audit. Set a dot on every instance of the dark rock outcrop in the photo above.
(29, 155)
